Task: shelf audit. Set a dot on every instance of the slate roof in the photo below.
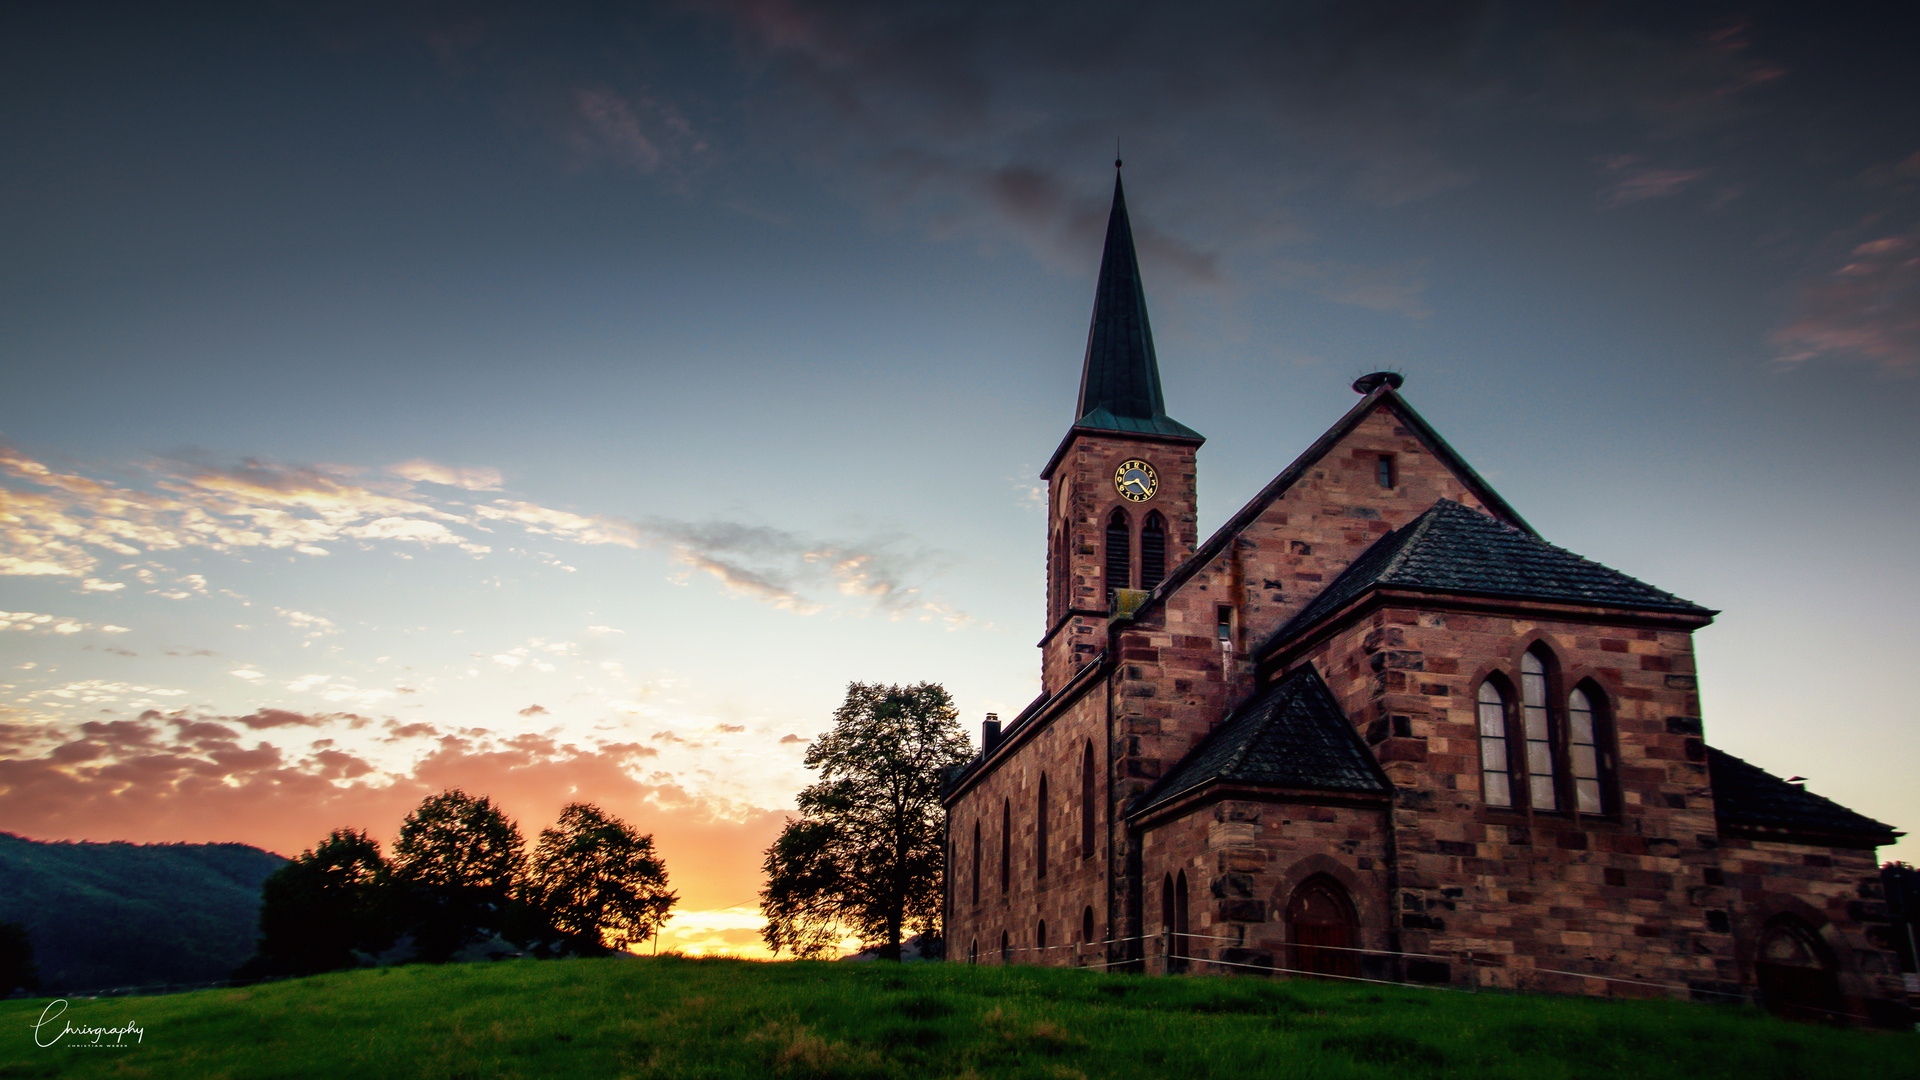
(1453, 549)
(1748, 795)
(1120, 378)
(1291, 735)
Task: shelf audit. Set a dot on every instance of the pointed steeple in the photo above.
(1120, 378)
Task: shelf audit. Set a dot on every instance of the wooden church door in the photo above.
(1321, 930)
(1796, 975)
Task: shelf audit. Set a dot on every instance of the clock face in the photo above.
(1136, 480)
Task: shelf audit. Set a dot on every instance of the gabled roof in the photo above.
(1747, 795)
(1120, 377)
(1292, 735)
(1381, 396)
(1459, 551)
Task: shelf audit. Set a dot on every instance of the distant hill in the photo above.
(120, 915)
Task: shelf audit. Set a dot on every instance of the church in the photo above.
(1376, 727)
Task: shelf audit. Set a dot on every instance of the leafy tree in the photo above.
(598, 880)
(866, 853)
(17, 970)
(459, 862)
(326, 909)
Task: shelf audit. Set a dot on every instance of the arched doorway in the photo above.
(1321, 929)
(1795, 971)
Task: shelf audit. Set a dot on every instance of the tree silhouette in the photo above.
(17, 970)
(866, 854)
(598, 880)
(327, 909)
(458, 862)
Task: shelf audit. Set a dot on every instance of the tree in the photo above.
(327, 909)
(17, 969)
(459, 861)
(598, 880)
(866, 853)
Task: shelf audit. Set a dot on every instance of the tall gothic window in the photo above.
(1588, 747)
(1057, 580)
(1119, 552)
(1539, 733)
(1550, 754)
(1006, 844)
(1153, 550)
(1040, 832)
(1086, 801)
(1496, 768)
(976, 862)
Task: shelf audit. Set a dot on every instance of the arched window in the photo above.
(1795, 971)
(1086, 926)
(1040, 938)
(1153, 550)
(1006, 844)
(1166, 918)
(1119, 552)
(1182, 948)
(976, 862)
(1541, 788)
(1496, 767)
(1061, 596)
(973, 951)
(1040, 832)
(1087, 808)
(1006, 948)
(1589, 748)
(1322, 929)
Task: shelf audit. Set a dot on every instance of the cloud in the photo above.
(31, 622)
(422, 471)
(1868, 309)
(784, 739)
(1629, 180)
(640, 132)
(534, 710)
(54, 523)
(177, 778)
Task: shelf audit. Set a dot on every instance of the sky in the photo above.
(566, 401)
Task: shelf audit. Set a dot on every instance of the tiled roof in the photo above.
(1293, 735)
(1453, 549)
(1748, 795)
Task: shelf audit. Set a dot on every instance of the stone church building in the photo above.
(1377, 727)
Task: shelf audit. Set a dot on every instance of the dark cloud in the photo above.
(534, 710)
(732, 729)
(793, 739)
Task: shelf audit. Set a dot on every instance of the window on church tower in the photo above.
(1119, 552)
(1153, 550)
(1496, 771)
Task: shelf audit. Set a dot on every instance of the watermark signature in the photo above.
(43, 1035)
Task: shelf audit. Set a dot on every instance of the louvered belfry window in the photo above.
(1153, 551)
(1119, 551)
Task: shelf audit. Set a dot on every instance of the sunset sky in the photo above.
(566, 401)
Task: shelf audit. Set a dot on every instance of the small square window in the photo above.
(1383, 471)
(1224, 623)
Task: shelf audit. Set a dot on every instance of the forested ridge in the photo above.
(107, 915)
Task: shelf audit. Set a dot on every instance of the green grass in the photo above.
(673, 1017)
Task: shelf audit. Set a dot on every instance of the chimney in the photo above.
(990, 734)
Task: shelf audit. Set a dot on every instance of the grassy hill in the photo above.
(116, 915)
(672, 1017)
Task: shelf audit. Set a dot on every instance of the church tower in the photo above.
(1120, 489)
